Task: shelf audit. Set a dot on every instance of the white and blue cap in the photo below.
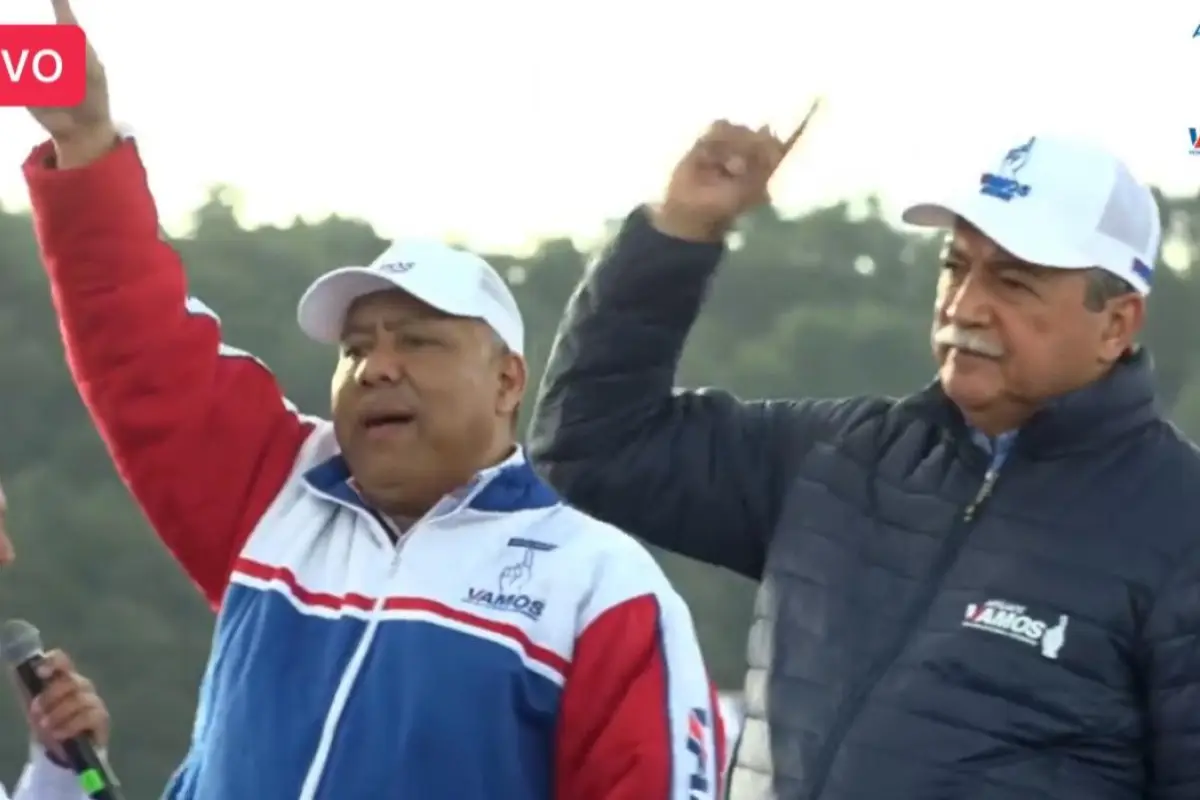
(1059, 202)
(454, 281)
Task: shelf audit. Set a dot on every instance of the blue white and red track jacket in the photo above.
(511, 648)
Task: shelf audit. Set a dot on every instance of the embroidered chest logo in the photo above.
(1016, 622)
(509, 594)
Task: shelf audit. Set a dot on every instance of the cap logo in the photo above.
(1003, 184)
(1143, 270)
(396, 267)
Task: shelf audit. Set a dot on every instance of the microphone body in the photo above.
(21, 648)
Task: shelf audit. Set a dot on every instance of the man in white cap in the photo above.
(406, 610)
(987, 590)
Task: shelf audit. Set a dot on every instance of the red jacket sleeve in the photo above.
(199, 431)
(639, 718)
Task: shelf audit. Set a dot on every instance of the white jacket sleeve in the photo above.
(45, 780)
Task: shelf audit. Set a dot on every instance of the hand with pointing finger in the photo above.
(724, 175)
(84, 132)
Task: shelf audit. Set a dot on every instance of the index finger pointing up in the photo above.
(803, 126)
(63, 14)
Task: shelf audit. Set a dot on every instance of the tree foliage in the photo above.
(825, 304)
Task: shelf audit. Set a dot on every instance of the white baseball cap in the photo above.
(453, 281)
(1059, 202)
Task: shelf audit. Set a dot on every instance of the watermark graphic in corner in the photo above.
(42, 65)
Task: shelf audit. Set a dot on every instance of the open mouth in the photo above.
(385, 421)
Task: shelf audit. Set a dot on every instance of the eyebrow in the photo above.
(395, 323)
(1002, 260)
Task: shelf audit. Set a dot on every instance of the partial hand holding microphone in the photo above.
(21, 649)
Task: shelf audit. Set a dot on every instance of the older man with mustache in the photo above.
(987, 590)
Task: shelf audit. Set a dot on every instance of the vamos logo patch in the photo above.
(1015, 621)
(508, 595)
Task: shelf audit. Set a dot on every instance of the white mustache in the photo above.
(971, 341)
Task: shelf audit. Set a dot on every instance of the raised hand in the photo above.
(724, 175)
(84, 132)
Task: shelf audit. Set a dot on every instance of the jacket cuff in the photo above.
(106, 200)
(644, 267)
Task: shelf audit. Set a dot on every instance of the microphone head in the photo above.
(19, 642)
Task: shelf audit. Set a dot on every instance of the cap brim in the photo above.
(1024, 231)
(322, 309)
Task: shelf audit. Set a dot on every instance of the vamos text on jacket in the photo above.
(42, 65)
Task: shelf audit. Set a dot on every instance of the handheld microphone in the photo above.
(21, 649)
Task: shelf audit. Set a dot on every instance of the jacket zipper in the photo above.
(837, 731)
(315, 775)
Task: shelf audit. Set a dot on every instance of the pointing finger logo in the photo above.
(514, 577)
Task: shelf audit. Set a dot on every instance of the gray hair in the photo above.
(1103, 286)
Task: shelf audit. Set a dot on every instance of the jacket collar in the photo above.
(1088, 418)
(507, 487)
